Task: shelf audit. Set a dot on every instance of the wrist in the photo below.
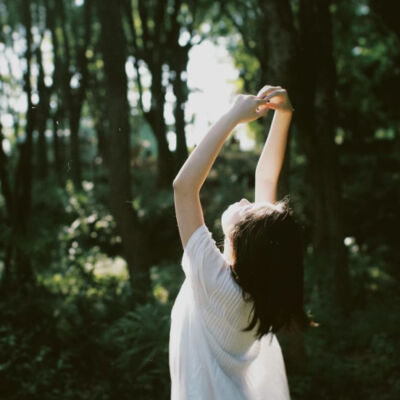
(286, 107)
(284, 111)
(231, 117)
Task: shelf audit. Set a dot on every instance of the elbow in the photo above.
(178, 185)
(179, 180)
(183, 187)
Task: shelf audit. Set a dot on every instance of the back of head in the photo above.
(268, 266)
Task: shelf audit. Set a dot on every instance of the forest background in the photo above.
(97, 115)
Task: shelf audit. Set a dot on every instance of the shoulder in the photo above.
(200, 236)
(201, 249)
(203, 262)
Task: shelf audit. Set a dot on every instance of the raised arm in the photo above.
(271, 159)
(190, 178)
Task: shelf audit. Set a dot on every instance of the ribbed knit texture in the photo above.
(209, 357)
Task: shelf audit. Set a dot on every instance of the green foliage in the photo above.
(85, 345)
(78, 334)
(354, 356)
(367, 69)
(137, 349)
(91, 221)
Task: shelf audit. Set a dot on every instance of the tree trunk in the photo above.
(317, 81)
(101, 141)
(181, 93)
(75, 158)
(70, 103)
(155, 117)
(8, 198)
(277, 53)
(57, 148)
(57, 87)
(78, 95)
(98, 108)
(22, 274)
(42, 116)
(113, 47)
(4, 180)
(153, 52)
(277, 56)
(178, 57)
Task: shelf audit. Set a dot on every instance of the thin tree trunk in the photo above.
(165, 160)
(178, 59)
(22, 274)
(154, 56)
(8, 197)
(42, 117)
(180, 90)
(57, 147)
(4, 180)
(57, 87)
(78, 95)
(113, 46)
(69, 102)
(98, 108)
(277, 56)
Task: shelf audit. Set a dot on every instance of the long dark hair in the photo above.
(268, 253)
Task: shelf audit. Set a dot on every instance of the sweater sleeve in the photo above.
(203, 263)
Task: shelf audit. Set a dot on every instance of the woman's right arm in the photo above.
(271, 159)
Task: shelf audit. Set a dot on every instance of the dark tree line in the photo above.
(69, 70)
(293, 43)
(80, 38)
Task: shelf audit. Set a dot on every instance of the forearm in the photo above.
(271, 159)
(197, 166)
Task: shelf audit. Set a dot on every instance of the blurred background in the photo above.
(100, 104)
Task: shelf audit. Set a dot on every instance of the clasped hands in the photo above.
(247, 107)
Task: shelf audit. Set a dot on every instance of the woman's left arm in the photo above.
(190, 178)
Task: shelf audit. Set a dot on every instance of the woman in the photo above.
(214, 352)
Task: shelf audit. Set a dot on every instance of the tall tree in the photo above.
(177, 58)
(113, 47)
(43, 111)
(153, 52)
(277, 55)
(75, 37)
(317, 126)
(267, 34)
(301, 59)
(9, 215)
(21, 272)
(57, 88)
(155, 29)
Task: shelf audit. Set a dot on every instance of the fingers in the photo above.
(261, 101)
(263, 110)
(274, 106)
(274, 93)
(266, 89)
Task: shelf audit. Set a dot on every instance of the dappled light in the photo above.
(102, 105)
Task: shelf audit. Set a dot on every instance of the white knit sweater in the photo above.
(209, 357)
